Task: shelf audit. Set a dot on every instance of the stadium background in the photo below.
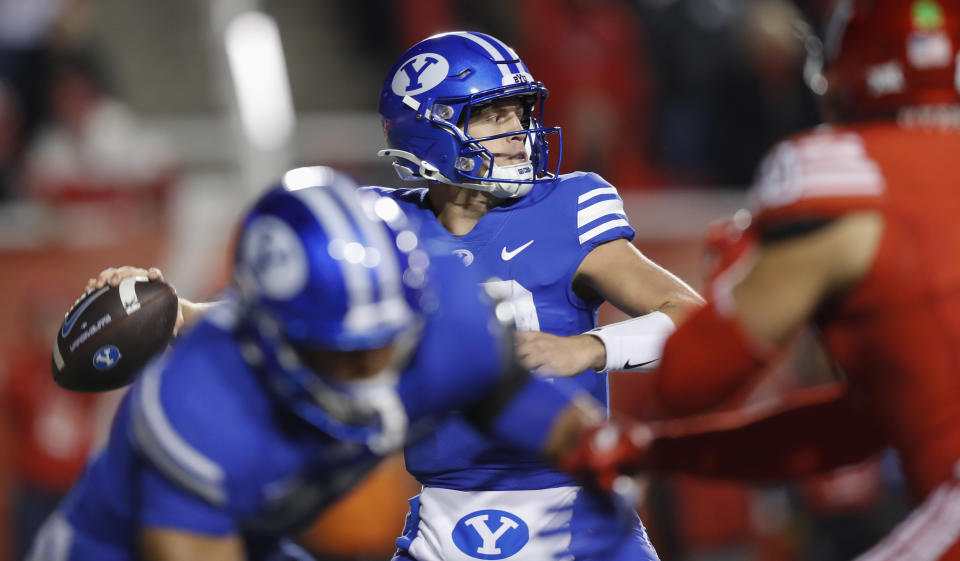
(131, 134)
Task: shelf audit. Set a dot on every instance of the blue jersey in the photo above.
(532, 247)
(198, 444)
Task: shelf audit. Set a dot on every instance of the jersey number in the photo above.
(524, 310)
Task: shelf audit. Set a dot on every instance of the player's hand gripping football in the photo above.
(113, 275)
(551, 355)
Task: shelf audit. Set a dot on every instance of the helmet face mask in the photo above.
(427, 101)
(366, 411)
(323, 269)
(511, 180)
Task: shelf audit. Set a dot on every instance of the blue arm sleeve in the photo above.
(165, 504)
(526, 415)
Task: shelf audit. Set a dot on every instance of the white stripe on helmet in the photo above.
(493, 52)
(361, 314)
(392, 306)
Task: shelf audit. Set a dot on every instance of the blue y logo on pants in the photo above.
(490, 534)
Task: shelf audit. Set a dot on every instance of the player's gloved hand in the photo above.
(607, 455)
(552, 355)
(113, 275)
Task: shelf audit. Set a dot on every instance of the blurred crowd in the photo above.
(66, 135)
(92, 175)
(651, 94)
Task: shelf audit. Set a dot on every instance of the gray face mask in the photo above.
(370, 401)
(373, 401)
(500, 189)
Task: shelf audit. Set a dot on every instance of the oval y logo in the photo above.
(106, 357)
(275, 257)
(490, 534)
(419, 74)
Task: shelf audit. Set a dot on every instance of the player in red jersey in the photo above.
(856, 230)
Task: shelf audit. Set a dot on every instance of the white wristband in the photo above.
(635, 344)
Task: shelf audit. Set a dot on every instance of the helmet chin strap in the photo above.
(503, 189)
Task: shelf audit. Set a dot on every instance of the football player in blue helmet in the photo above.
(461, 111)
(432, 93)
(340, 339)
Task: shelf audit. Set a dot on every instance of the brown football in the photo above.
(109, 334)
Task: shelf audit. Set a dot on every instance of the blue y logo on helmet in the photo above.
(490, 534)
(277, 258)
(419, 74)
(106, 357)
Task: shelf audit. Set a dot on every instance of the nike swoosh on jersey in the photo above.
(508, 255)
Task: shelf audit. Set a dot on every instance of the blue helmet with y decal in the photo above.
(428, 97)
(322, 266)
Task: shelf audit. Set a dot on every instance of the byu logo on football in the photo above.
(419, 74)
(490, 534)
(106, 357)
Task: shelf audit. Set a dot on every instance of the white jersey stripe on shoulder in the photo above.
(838, 185)
(357, 281)
(596, 193)
(828, 137)
(822, 166)
(594, 232)
(861, 167)
(844, 148)
(598, 210)
(161, 443)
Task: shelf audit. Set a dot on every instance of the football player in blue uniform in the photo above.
(341, 338)
(461, 111)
